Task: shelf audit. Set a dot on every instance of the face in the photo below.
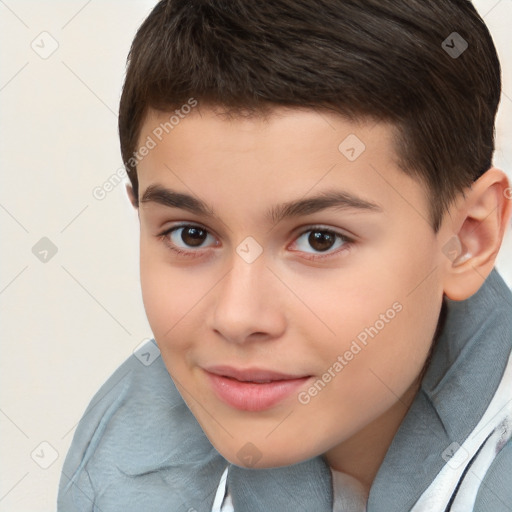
(289, 275)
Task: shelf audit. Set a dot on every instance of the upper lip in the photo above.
(251, 374)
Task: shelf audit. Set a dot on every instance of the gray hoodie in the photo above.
(138, 448)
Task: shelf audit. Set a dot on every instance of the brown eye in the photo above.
(317, 240)
(187, 236)
(321, 240)
(193, 236)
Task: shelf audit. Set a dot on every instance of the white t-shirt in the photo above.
(353, 498)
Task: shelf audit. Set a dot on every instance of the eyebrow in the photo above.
(334, 199)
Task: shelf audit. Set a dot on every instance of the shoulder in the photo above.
(121, 403)
(495, 494)
(135, 429)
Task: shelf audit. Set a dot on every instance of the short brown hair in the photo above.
(378, 59)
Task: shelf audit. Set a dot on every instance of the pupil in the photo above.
(193, 236)
(321, 240)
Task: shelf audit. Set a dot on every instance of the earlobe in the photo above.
(478, 225)
(131, 196)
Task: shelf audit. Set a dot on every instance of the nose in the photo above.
(248, 304)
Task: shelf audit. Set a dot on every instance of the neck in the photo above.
(361, 455)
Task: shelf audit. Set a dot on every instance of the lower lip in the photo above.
(251, 396)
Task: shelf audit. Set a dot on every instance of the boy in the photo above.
(319, 224)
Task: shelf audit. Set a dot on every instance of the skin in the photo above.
(286, 311)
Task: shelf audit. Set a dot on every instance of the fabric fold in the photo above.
(303, 486)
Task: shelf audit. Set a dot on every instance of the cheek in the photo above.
(166, 296)
(173, 296)
(384, 318)
(372, 364)
(158, 301)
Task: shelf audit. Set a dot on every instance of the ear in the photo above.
(477, 224)
(131, 196)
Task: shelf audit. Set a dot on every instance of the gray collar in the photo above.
(466, 368)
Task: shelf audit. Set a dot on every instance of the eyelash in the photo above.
(348, 242)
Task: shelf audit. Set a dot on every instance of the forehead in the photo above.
(280, 156)
(272, 126)
(282, 137)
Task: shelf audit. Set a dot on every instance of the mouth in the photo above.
(252, 389)
(251, 374)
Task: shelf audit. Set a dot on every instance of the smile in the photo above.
(254, 389)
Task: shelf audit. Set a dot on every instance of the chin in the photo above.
(250, 455)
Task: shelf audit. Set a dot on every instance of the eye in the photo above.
(186, 236)
(322, 240)
(188, 239)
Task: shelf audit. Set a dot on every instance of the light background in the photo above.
(68, 323)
